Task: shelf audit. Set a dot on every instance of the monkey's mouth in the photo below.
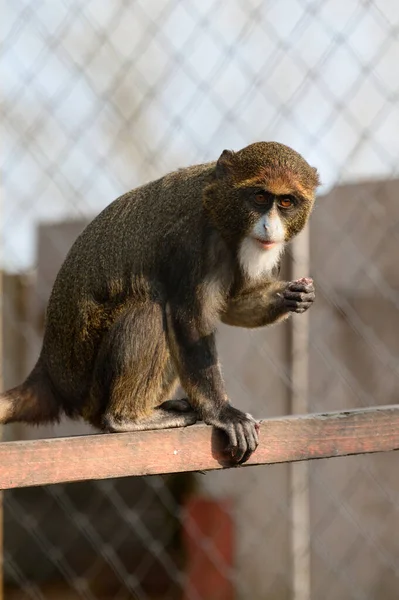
(265, 244)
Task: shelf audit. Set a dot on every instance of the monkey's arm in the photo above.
(269, 304)
(194, 350)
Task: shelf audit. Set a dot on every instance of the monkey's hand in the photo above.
(241, 429)
(298, 295)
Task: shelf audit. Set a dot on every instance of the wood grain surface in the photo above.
(195, 448)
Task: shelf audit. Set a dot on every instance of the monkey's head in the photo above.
(261, 197)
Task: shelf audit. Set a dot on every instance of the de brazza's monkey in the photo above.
(137, 301)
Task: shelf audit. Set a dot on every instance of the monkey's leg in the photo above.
(134, 375)
(159, 419)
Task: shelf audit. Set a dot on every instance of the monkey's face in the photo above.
(260, 198)
(267, 215)
(265, 191)
(272, 214)
(269, 220)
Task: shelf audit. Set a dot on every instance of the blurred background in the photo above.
(99, 97)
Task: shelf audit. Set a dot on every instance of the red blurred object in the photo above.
(209, 545)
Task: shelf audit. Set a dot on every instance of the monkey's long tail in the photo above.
(32, 401)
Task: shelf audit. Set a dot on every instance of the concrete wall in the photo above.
(354, 356)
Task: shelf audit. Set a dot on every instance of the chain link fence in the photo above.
(99, 97)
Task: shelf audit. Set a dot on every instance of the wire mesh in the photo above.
(99, 97)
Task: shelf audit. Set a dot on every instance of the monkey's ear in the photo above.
(316, 177)
(225, 163)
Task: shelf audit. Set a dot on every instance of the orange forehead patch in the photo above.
(281, 186)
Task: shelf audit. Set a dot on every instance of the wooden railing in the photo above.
(195, 448)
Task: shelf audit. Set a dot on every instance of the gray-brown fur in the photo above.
(136, 303)
(268, 303)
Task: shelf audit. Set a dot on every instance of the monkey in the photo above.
(135, 306)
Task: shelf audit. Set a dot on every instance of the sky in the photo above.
(99, 97)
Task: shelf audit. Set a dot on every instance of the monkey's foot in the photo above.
(299, 295)
(180, 405)
(158, 419)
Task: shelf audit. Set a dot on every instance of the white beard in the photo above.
(255, 261)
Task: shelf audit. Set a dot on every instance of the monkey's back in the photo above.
(122, 258)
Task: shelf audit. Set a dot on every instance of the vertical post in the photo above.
(1, 388)
(299, 473)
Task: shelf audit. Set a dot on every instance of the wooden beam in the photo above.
(195, 448)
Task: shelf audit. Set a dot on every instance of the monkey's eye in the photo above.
(260, 198)
(286, 202)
